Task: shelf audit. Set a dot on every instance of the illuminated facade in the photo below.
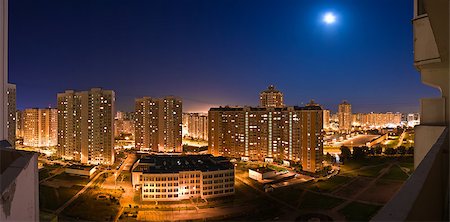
(377, 120)
(271, 98)
(124, 124)
(11, 122)
(195, 125)
(85, 126)
(40, 127)
(19, 124)
(256, 133)
(158, 124)
(326, 118)
(180, 177)
(345, 116)
(413, 119)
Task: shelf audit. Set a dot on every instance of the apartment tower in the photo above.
(11, 122)
(268, 134)
(271, 98)
(196, 125)
(345, 116)
(40, 127)
(85, 126)
(158, 124)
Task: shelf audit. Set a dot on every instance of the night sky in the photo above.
(215, 52)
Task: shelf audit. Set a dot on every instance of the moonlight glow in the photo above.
(329, 18)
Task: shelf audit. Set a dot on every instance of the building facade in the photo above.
(377, 120)
(40, 127)
(158, 124)
(19, 190)
(326, 118)
(11, 122)
(4, 70)
(345, 116)
(256, 133)
(85, 126)
(19, 124)
(181, 177)
(124, 124)
(271, 98)
(195, 125)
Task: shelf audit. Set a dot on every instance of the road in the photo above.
(359, 140)
(60, 209)
(400, 139)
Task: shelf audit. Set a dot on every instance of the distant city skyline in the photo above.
(216, 53)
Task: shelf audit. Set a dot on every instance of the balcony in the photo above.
(424, 196)
(425, 48)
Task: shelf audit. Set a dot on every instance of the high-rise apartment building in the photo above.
(11, 122)
(326, 118)
(257, 133)
(271, 98)
(19, 124)
(124, 124)
(311, 140)
(196, 125)
(345, 116)
(85, 126)
(4, 70)
(377, 120)
(158, 124)
(40, 127)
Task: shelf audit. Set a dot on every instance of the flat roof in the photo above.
(278, 109)
(262, 169)
(80, 167)
(178, 163)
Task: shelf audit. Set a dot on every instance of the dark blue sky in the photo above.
(215, 52)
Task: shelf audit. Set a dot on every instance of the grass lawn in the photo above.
(51, 198)
(350, 165)
(395, 173)
(356, 211)
(73, 179)
(328, 185)
(89, 207)
(317, 201)
(44, 173)
(290, 194)
(372, 171)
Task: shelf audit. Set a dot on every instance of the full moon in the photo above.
(329, 18)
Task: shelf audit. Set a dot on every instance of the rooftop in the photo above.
(271, 89)
(80, 167)
(242, 108)
(262, 169)
(177, 163)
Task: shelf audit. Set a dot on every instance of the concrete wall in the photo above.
(23, 195)
(3, 68)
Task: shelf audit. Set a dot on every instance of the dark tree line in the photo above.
(363, 151)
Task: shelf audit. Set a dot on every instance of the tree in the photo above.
(390, 151)
(401, 150)
(329, 158)
(378, 150)
(358, 153)
(410, 150)
(345, 153)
